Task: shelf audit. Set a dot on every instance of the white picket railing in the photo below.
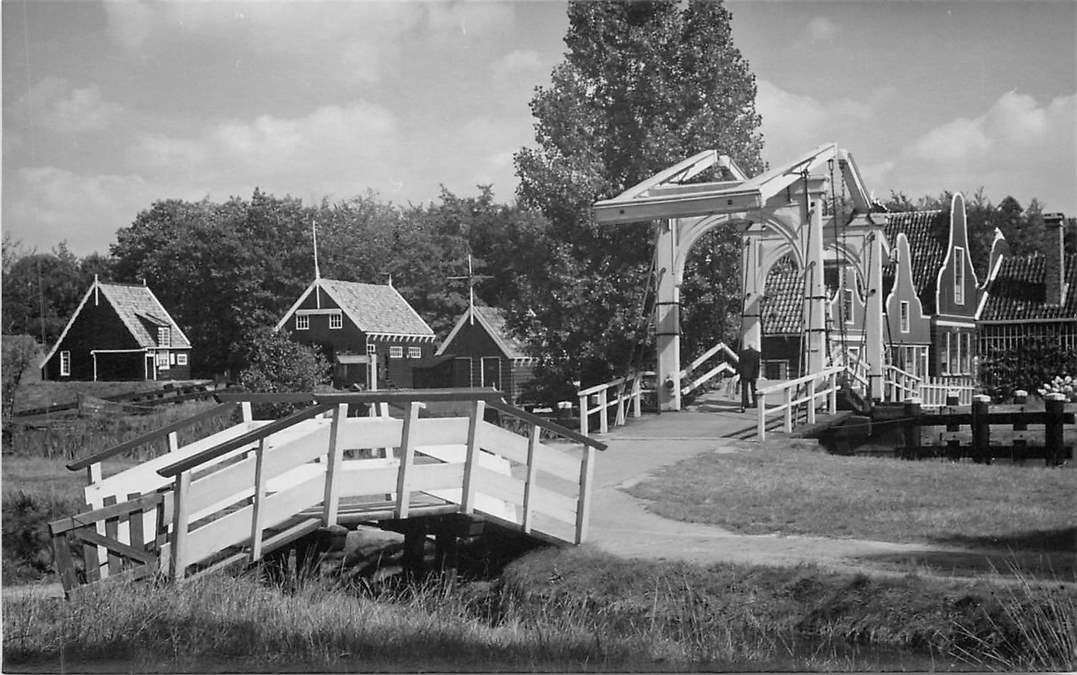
(619, 392)
(723, 367)
(809, 392)
(935, 390)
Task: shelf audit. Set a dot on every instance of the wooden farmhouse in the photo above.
(119, 332)
(480, 351)
(1030, 297)
(931, 295)
(369, 333)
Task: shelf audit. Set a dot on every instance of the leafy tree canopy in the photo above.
(643, 85)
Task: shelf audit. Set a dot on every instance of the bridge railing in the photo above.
(693, 382)
(899, 385)
(808, 393)
(274, 481)
(934, 391)
(625, 394)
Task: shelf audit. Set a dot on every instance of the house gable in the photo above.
(918, 326)
(956, 287)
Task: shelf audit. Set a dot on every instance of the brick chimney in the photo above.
(1055, 274)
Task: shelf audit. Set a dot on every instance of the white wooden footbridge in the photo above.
(236, 495)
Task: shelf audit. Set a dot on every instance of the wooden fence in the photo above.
(806, 393)
(619, 394)
(984, 432)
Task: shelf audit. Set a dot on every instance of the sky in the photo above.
(110, 106)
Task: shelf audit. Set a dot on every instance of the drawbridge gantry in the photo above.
(779, 212)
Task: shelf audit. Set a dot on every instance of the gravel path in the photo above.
(622, 525)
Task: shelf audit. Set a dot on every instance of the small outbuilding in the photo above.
(482, 352)
(119, 332)
(369, 333)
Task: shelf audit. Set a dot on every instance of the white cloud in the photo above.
(793, 123)
(1017, 147)
(53, 104)
(517, 62)
(351, 40)
(47, 205)
(821, 29)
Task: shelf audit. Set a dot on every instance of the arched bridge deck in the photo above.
(259, 485)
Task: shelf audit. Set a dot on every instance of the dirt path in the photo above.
(622, 525)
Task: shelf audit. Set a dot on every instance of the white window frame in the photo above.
(905, 316)
(371, 350)
(162, 360)
(959, 275)
(65, 364)
(482, 371)
(396, 352)
(847, 305)
(336, 321)
(164, 336)
(302, 322)
(944, 365)
(415, 352)
(181, 359)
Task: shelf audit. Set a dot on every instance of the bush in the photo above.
(1028, 366)
(276, 363)
(26, 542)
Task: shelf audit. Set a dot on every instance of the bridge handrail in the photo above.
(786, 407)
(543, 423)
(176, 468)
(787, 384)
(632, 383)
(98, 457)
(721, 346)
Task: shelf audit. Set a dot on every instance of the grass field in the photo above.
(779, 490)
(553, 610)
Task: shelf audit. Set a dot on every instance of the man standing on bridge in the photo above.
(748, 370)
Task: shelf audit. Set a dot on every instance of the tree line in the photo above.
(642, 86)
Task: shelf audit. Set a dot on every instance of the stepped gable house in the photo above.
(1030, 297)
(480, 351)
(119, 332)
(369, 333)
(930, 297)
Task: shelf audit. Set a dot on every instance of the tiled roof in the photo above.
(509, 343)
(784, 298)
(141, 312)
(1018, 291)
(375, 308)
(927, 250)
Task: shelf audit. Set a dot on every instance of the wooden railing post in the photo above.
(788, 422)
(1053, 428)
(529, 482)
(761, 415)
(467, 498)
(407, 458)
(173, 441)
(621, 402)
(258, 498)
(583, 505)
(180, 513)
(811, 402)
(93, 473)
(583, 414)
(245, 411)
(637, 395)
(832, 394)
(335, 456)
(603, 407)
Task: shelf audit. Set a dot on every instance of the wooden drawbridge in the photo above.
(259, 485)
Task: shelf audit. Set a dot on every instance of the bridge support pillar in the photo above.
(667, 317)
(814, 308)
(873, 326)
(751, 326)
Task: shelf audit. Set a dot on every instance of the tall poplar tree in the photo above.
(643, 86)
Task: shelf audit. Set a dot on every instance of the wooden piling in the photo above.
(1053, 431)
(981, 430)
(911, 428)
